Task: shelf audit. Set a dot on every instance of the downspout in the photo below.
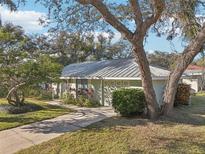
(76, 88)
(102, 91)
(0, 21)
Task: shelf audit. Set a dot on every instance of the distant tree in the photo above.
(12, 4)
(20, 67)
(163, 59)
(72, 48)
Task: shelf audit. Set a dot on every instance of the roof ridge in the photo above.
(123, 67)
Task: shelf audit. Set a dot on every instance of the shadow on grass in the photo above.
(11, 116)
(193, 114)
(182, 114)
(74, 121)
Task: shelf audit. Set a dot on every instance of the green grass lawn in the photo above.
(184, 132)
(8, 120)
(200, 93)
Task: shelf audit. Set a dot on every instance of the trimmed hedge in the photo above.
(128, 102)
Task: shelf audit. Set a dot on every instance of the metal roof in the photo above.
(110, 69)
(194, 72)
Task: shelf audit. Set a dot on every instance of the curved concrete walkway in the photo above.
(15, 139)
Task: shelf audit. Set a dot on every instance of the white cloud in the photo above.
(150, 51)
(29, 20)
(116, 37)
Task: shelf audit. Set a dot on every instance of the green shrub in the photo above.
(32, 92)
(38, 92)
(92, 103)
(68, 98)
(46, 95)
(3, 92)
(80, 101)
(128, 102)
(86, 102)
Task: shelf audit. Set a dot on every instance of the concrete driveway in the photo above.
(15, 139)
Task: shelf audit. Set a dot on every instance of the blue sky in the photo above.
(28, 15)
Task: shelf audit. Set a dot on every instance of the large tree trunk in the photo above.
(170, 91)
(152, 105)
(195, 46)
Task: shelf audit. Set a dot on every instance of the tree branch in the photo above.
(14, 88)
(109, 17)
(137, 12)
(193, 48)
(159, 6)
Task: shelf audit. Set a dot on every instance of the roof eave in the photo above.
(115, 78)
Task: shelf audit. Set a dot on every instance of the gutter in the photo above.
(114, 78)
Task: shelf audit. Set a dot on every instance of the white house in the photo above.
(99, 78)
(196, 77)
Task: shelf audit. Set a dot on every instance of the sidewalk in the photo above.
(15, 139)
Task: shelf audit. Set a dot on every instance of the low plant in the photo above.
(68, 98)
(38, 92)
(81, 100)
(46, 95)
(3, 92)
(128, 102)
(87, 102)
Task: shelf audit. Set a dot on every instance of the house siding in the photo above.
(111, 85)
(102, 89)
(159, 86)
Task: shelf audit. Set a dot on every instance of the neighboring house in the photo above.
(98, 79)
(196, 77)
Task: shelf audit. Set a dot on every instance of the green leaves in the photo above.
(18, 63)
(128, 102)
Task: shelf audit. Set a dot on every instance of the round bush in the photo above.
(128, 102)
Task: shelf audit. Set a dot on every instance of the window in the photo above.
(82, 83)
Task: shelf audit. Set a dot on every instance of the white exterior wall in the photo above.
(159, 86)
(110, 85)
(97, 88)
(66, 85)
(194, 83)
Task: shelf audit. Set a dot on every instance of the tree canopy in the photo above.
(163, 59)
(20, 65)
(70, 48)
